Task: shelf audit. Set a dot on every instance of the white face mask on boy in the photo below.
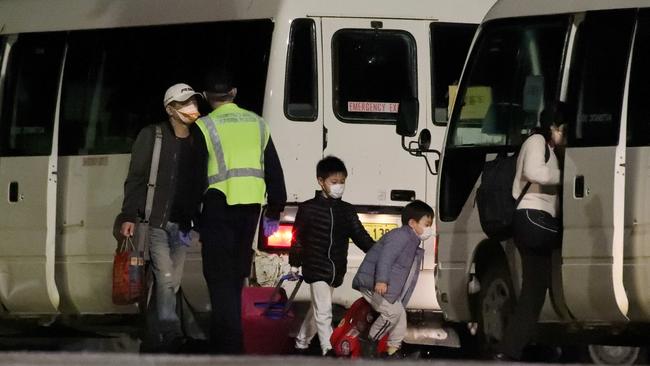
(336, 190)
(426, 234)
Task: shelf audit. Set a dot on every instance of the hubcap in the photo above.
(613, 355)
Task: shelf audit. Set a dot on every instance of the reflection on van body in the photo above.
(79, 79)
(594, 58)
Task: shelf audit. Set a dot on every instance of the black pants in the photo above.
(227, 234)
(536, 280)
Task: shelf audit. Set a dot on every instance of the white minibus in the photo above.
(80, 78)
(592, 55)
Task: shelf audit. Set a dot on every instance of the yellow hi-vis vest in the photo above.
(236, 139)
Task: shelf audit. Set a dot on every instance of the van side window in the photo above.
(638, 120)
(513, 69)
(372, 71)
(598, 77)
(300, 89)
(449, 45)
(107, 96)
(30, 95)
(115, 79)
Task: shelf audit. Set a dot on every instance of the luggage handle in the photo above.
(127, 243)
(287, 305)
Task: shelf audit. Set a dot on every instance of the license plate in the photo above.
(376, 230)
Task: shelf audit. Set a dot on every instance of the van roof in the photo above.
(520, 8)
(17, 16)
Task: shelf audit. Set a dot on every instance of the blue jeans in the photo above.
(167, 260)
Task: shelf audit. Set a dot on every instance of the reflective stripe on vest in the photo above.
(223, 173)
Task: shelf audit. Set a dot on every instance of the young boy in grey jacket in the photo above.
(389, 272)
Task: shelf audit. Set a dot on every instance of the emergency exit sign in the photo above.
(373, 107)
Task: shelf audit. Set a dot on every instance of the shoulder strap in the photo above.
(521, 195)
(547, 155)
(153, 173)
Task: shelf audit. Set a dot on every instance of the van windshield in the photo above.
(513, 70)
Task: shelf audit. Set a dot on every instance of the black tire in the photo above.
(493, 307)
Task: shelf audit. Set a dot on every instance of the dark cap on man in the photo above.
(219, 82)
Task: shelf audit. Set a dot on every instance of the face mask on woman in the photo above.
(188, 113)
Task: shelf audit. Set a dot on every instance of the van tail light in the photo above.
(282, 238)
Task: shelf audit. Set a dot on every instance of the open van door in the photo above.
(637, 176)
(594, 169)
(29, 86)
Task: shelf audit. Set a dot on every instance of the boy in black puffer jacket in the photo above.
(323, 227)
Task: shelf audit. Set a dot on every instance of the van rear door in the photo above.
(30, 79)
(594, 169)
(369, 66)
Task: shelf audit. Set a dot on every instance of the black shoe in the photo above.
(194, 346)
(330, 353)
(176, 345)
(368, 347)
(301, 351)
(502, 357)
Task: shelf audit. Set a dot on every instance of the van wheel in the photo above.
(614, 355)
(495, 302)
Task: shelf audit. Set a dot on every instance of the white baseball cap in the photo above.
(179, 93)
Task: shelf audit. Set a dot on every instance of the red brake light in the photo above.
(281, 238)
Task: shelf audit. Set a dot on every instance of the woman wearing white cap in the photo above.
(180, 182)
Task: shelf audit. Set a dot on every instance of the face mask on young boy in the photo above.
(336, 190)
(426, 234)
(423, 228)
(334, 185)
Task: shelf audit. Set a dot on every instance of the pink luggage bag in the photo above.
(268, 319)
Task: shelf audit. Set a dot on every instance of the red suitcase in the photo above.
(267, 319)
(354, 325)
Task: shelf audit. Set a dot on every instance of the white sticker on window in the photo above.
(373, 107)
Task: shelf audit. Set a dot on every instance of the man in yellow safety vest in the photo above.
(244, 171)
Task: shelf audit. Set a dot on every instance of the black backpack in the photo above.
(494, 196)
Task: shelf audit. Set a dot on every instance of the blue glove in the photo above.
(294, 274)
(270, 226)
(186, 238)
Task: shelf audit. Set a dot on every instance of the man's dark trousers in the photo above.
(227, 234)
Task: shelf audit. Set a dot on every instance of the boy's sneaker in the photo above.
(330, 353)
(397, 355)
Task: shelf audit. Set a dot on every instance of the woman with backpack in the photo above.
(536, 227)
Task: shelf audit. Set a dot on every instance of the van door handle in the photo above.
(13, 192)
(579, 186)
(402, 195)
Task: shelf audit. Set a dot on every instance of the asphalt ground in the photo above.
(60, 341)
(122, 359)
